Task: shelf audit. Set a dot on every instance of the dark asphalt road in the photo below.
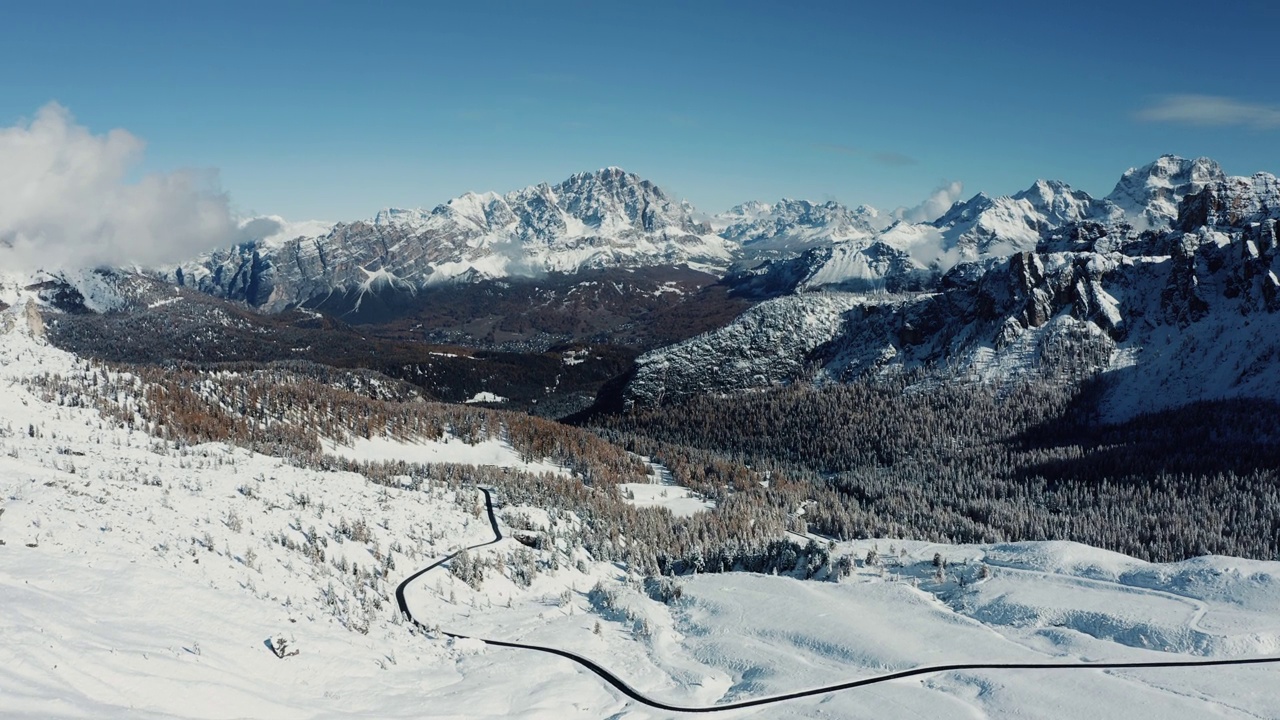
(634, 694)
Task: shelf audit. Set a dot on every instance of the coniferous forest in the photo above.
(992, 463)
(908, 458)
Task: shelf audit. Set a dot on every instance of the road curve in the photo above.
(622, 687)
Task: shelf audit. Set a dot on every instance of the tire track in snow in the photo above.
(621, 686)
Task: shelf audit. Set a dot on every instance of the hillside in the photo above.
(250, 553)
(247, 553)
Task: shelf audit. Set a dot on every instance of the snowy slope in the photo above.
(1150, 194)
(85, 290)
(139, 580)
(142, 581)
(765, 345)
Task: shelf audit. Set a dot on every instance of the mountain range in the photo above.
(1184, 309)
(1174, 272)
(615, 219)
(605, 219)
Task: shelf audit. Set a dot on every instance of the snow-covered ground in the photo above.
(681, 501)
(664, 492)
(739, 636)
(140, 580)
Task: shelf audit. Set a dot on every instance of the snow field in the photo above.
(140, 580)
(662, 491)
(740, 636)
(143, 581)
(681, 501)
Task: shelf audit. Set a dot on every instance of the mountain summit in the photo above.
(613, 219)
(607, 218)
(1150, 194)
(1048, 284)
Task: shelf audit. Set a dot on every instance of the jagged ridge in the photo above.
(1186, 313)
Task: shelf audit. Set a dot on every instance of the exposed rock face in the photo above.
(1171, 284)
(1151, 194)
(614, 219)
(604, 219)
(1190, 312)
(1231, 203)
(34, 320)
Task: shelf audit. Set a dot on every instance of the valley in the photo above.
(254, 552)
(793, 460)
(639, 361)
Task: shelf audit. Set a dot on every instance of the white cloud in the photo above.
(274, 231)
(932, 208)
(1211, 110)
(66, 200)
(925, 244)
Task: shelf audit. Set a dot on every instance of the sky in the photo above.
(334, 110)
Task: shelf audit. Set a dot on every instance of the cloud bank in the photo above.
(1211, 110)
(67, 200)
(933, 207)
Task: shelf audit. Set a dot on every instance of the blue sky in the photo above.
(333, 110)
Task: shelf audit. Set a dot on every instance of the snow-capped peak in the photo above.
(750, 210)
(613, 201)
(1060, 204)
(400, 217)
(479, 209)
(872, 215)
(1150, 194)
(985, 225)
(1044, 192)
(606, 218)
(789, 226)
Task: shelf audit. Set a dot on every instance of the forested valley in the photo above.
(908, 458)
(915, 457)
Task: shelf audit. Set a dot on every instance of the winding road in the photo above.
(639, 697)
